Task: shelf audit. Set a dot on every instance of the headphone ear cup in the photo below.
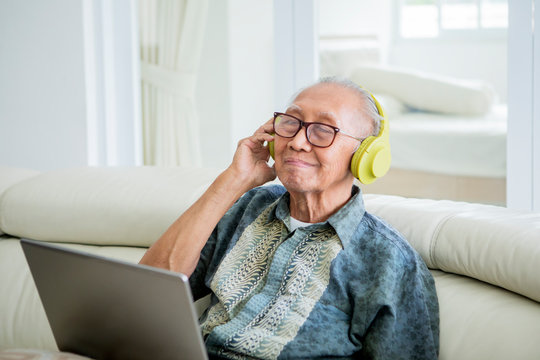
(372, 159)
(356, 161)
(271, 148)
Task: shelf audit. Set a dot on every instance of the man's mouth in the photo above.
(298, 163)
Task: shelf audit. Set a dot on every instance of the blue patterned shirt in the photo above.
(351, 287)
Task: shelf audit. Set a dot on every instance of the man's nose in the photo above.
(300, 141)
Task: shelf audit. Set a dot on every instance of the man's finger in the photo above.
(267, 127)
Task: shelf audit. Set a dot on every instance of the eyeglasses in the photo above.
(317, 134)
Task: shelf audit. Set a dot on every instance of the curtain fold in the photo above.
(171, 35)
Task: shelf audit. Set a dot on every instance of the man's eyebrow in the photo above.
(321, 115)
(328, 115)
(294, 107)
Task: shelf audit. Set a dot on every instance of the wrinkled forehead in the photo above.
(330, 91)
(327, 98)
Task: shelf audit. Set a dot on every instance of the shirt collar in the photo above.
(345, 221)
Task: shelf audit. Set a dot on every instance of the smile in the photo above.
(298, 163)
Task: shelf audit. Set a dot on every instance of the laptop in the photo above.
(110, 309)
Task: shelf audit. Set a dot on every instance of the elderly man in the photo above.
(302, 271)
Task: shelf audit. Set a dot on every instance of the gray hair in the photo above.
(369, 109)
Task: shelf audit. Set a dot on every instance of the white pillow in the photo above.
(427, 92)
(392, 107)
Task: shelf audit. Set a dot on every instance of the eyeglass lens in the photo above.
(317, 134)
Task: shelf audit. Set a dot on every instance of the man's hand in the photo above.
(179, 248)
(250, 160)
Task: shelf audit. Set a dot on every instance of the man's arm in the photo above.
(179, 248)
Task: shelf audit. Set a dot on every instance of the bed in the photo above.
(448, 137)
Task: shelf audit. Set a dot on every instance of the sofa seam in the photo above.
(435, 239)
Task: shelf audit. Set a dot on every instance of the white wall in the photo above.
(296, 48)
(67, 92)
(251, 66)
(113, 86)
(523, 143)
(235, 85)
(338, 17)
(49, 111)
(212, 92)
(354, 17)
(42, 90)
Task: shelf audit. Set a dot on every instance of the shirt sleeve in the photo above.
(196, 280)
(405, 324)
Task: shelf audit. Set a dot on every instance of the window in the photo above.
(435, 18)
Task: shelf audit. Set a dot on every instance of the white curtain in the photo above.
(171, 36)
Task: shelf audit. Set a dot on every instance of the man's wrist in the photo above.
(234, 182)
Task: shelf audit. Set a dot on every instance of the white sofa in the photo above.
(485, 259)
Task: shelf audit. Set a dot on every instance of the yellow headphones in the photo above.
(372, 159)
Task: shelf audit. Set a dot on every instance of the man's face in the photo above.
(302, 167)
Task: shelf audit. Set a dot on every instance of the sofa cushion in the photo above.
(485, 242)
(23, 322)
(495, 245)
(102, 206)
(482, 321)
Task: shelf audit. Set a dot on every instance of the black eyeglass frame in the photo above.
(307, 125)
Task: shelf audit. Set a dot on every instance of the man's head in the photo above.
(303, 167)
(366, 108)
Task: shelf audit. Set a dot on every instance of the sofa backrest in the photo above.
(10, 176)
(133, 206)
(129, 206)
